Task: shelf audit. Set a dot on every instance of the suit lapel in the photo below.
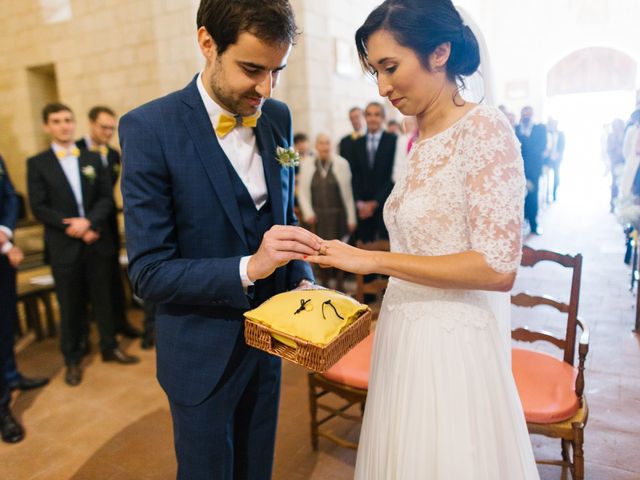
(272, 169)
(211, 155)
(60, 178)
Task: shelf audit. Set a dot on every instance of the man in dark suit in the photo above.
(211, 233)
(554, 153)
(533, 141)
(102, 126)
(346, 143)
(372, 169)
(10, 258)
(70, 193)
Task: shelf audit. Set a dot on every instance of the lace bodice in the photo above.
(463, 189)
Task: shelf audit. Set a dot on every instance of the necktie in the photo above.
(227, 123)
(371, 150)
(72, 152)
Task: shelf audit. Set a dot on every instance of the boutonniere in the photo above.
(89, 172)
(287, 157)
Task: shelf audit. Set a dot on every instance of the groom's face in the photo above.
(245, 74)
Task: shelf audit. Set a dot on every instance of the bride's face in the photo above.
(402, 77)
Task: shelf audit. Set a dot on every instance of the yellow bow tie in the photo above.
(72, 152)
(101, 149)
(227, 123)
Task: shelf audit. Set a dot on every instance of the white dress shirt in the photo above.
(71, 168)
(240, 147)
(373, 142)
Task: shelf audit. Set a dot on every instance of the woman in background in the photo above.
(325, 197)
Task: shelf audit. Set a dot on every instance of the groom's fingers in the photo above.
(299, 234)
(295, 247)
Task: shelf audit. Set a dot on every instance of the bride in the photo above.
(442, 402)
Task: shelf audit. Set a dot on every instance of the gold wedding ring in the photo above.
(323, 249)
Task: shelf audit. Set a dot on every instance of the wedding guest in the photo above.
(357, 124)
(102, 126)
(615, 141)
(10, 257)
(372, 166)
(554, 152)
(301, 144)
(629, 183)
(371, 169)
(393, 127)
(326, 198)
(70, 193)
(442, 402)
(533, 142)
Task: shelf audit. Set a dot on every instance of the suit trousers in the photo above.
(91, 273)
(231, 434)
(7, 323)
(531, 204)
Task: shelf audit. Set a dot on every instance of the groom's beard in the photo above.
(246, 104)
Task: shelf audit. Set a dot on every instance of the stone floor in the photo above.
(116, 425)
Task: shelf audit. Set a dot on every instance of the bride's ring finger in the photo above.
(323, 249)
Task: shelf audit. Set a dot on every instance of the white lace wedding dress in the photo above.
(442, 402)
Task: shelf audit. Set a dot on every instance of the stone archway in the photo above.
(593, 69)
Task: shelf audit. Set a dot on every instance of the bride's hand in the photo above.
(334, 253)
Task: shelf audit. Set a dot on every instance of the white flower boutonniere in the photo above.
(89, 172)
(287, 157)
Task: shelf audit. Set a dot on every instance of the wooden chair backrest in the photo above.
(530, 258)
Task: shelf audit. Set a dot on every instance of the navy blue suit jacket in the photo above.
(185, 235)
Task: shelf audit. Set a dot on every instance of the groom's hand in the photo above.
(279, 246)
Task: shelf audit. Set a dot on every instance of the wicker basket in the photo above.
(309, 355)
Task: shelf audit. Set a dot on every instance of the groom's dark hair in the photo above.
(270, 20)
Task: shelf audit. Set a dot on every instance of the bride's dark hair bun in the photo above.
(465, 54)
(423, 25)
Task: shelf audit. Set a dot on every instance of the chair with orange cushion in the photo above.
(552, 389)
(349, 380)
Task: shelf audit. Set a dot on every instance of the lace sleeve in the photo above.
(494, 190)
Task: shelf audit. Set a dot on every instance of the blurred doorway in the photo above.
(586, 90)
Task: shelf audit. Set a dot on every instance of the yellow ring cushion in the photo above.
(318, 322)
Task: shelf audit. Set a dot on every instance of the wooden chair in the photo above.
(552, 389)
(349, 380)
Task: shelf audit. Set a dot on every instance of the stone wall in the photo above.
(123, 53)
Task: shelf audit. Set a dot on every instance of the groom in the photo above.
(211, 233)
